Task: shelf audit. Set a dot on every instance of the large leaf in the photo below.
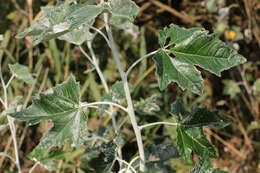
(21, 72)
(188, 48)
(204, 166)
(174, 69)
(194, 139)
(61, 19)
(60, 105)
(199, 117)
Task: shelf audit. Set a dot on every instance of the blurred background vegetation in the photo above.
(235, 95)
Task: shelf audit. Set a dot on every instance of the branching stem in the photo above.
(102, 78)
(10, 119)
(128, 165)
(130, 107)
(139, 60)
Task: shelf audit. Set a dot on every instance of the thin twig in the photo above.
(123, 122)
(10, 80)
(101, 33)
(86, 55)
(32, 88)
(7, 146)
(34, 166)
(100, 74)
(131, 162)
(157, 123)
(13, 132)
(125, 162)
(139, 60)
(1, 100)
(7, 155)
(44, 80)
(103, 103)
(10, 121)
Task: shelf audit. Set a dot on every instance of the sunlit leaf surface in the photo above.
(183, 49)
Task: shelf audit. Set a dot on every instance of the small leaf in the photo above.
(159, 156)
(118, 92)
(199, 117)
(21, 72)
(147, 106)
(13, 107)
(123, 13)
(161, 152)
(231, 88)
(122, 8)
(194, 139)
(46, 157)
(61, 105)
(190, 48)
(205, 166)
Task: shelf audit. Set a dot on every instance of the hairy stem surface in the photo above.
(130, 107)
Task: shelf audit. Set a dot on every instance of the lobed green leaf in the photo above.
(194, 139)
(60, 105)
(199, 117)
(188, 48)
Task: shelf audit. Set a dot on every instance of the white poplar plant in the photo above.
(181, 50)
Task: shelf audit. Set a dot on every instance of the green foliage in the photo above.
(99, 159)
(123, 14)
(117, 91)
(231, 88)
(71, 23)
(181, 51)
(46, 158)
(147, 106)
(61, 19)
(198, 117)
(60, 104)
(190, 134)
(190, 48)
(194, 139)
(21, 72)
(205, 166)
